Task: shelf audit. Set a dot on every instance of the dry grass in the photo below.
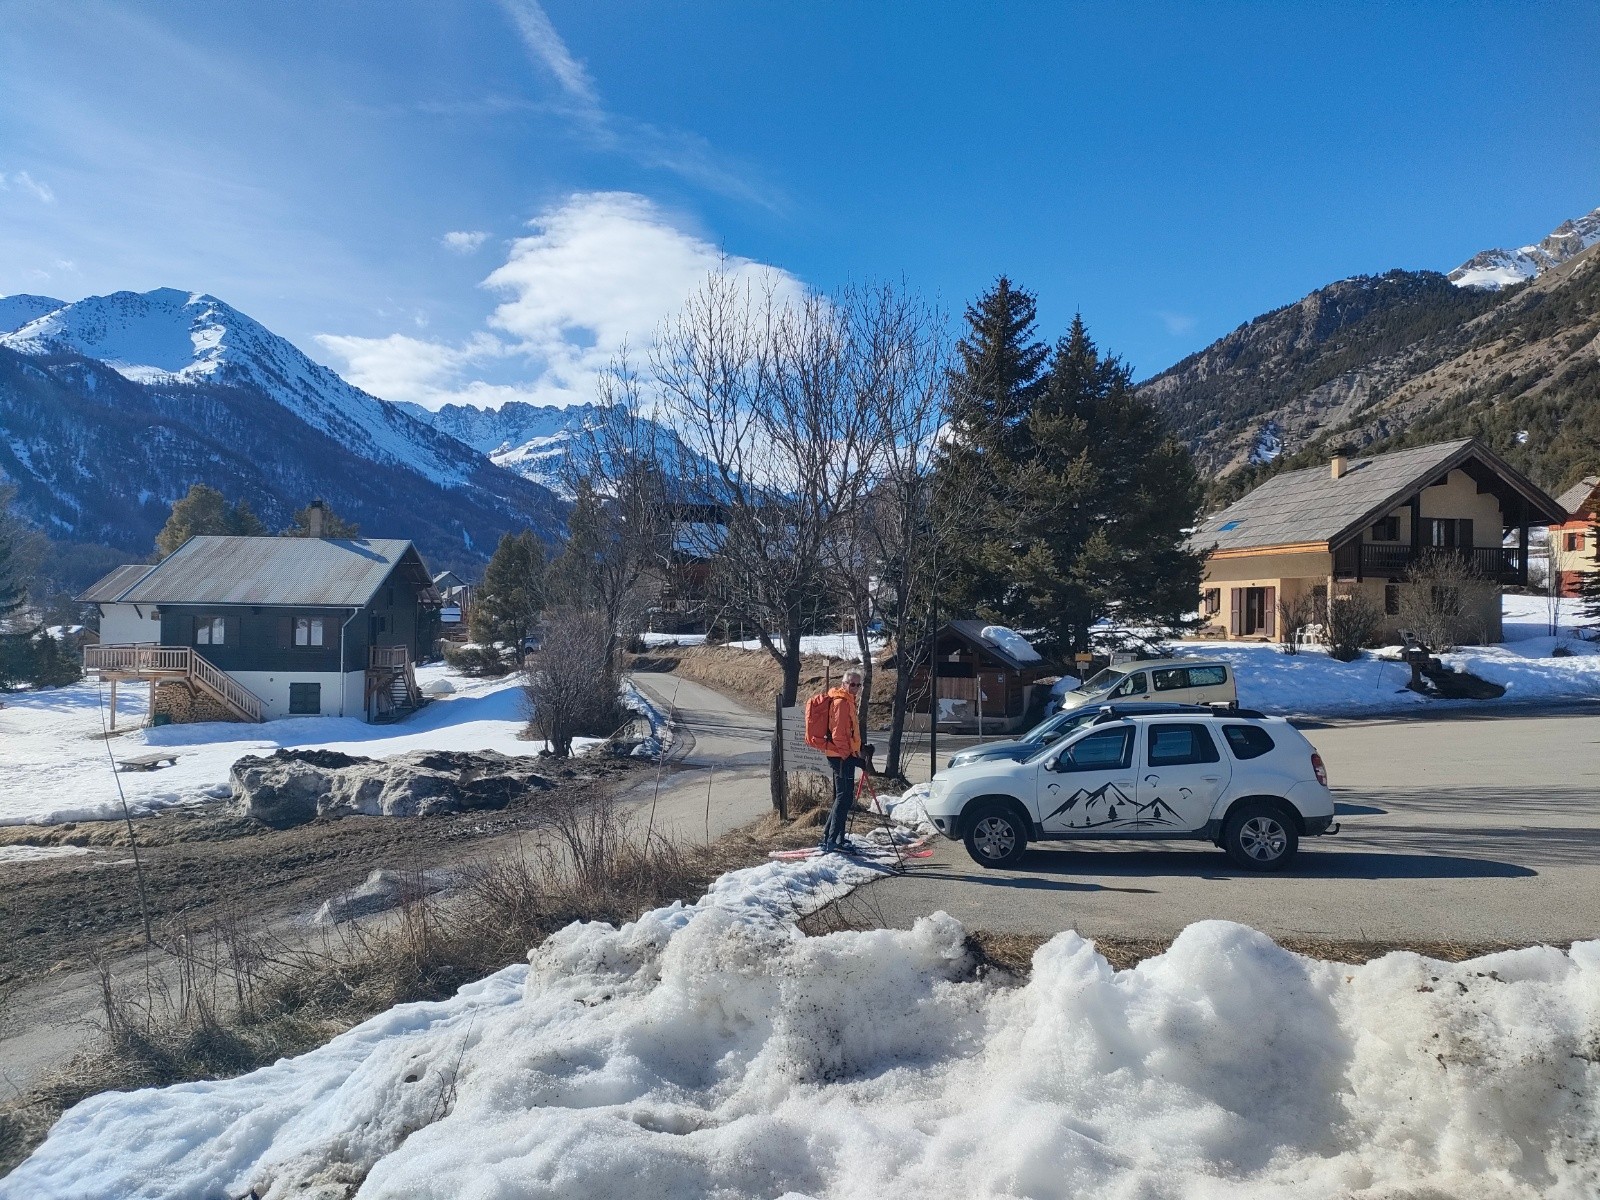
(227, 998)
(755, 678)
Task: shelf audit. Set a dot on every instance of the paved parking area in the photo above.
(1467, 829)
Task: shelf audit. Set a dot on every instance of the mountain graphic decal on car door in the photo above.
(1110, 805)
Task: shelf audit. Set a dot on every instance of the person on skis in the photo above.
(843, 749)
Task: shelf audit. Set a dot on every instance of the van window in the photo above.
(1170, 679)
(1133, 685)
(1177, 745)
(1108, 750)
(1247, 741)
(1208, 676)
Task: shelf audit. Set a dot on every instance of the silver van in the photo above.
(1169, 680)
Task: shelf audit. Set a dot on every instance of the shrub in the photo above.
(572, 689)
(1354, 622)
(476, 661)
(1443, 600)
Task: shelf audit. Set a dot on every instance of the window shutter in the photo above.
(1269, 616)
(186, 630)
(285, 632)
(1464, 533)
(1235, 618)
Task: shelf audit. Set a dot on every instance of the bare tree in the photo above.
(885, 560)
(758, 387)
(1294, 617)
(1354, 621)
(1444, 600)
(620, 532)
(571, 688)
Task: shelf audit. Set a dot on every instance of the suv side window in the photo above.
(1247, 741)
(1108, 750)
(1133, 685)
(1170, 679)
(1208, 676)
(1178, 745)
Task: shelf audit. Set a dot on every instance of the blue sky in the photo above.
(1169, 170)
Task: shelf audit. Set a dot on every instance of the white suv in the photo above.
(1251, 784)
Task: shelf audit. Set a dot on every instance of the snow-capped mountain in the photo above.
(16, 311)
(1492, 270)
(168, 336)
(534, 440)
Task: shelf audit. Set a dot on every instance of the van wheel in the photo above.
(1259, 837)
(995, 837)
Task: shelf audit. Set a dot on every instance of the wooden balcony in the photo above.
(1389, 560)
(158, 664)
(391, 689)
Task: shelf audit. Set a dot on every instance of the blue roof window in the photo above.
(1230, 525)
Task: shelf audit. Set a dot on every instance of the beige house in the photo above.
(1359, 524)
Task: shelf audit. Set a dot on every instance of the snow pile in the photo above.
(713, 1051)
(660, 739)
(55, 767)
(909, 809)
(1012, 642)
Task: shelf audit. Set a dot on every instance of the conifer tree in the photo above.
(1589, 581)
(203, 510)
(512, 594)
(12, 592)
(992, 392)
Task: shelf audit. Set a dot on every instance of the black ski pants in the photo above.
(844, 795)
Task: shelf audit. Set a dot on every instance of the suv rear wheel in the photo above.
(1260, 837)
(995, 836)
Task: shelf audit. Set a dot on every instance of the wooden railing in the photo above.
(1383, 560)
(389, 656)
(155, 661)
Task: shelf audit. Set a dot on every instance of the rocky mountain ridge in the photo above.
(1496, 269)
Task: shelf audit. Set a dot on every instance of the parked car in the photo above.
(1053, 729)
(1172, 680)
(1250, 784)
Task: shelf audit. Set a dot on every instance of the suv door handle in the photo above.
(1212, 778)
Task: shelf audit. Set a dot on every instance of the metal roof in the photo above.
(1574, 497)
(1311, 506)
(106, 590)
(313, 572)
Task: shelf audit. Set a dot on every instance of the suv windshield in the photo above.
(1057, 725)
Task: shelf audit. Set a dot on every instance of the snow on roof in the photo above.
(1012, 642)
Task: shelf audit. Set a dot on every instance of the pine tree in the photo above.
(1086, 501)
(203, 510)
(573, 576)
(512, 595)
(1589, 582)
(992, 393)
(12, 591)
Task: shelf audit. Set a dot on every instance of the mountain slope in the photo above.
(1423, 361)
(99, 458)
(168, 337)
(1496, 269)
(16, 311)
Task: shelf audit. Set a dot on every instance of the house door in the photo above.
(1254, 612)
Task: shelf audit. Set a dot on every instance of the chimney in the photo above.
(314, 512)
(1341, 463)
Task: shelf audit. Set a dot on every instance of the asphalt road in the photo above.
(1464, 828)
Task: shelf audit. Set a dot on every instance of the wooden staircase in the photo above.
(392, 687)
(158, 664)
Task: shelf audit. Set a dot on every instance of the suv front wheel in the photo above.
(995, 837)
(1260, 837)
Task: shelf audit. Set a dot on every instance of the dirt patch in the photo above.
(205, 860)
(753, 676)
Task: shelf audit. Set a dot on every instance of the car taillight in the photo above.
(1322, 771)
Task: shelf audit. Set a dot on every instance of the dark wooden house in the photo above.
(255, 628)
(977, 677)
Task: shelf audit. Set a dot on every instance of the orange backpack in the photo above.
(819, 722)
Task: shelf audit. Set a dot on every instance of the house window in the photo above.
(209, 631)
(305, 699)
(1391, 599)
(308, 631)
(1574, 541)
(1447, 533)
(1387, 530)
(1253, 611)
(1211, 601)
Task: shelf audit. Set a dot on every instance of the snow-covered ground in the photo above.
(55, 767)
(829, 645)
(714, 1051)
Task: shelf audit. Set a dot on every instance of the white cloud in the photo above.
(598, 272)
(464, 241)
(546, 46)
(22, 181)
(1178, 324)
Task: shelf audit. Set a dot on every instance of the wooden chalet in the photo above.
(257, 628)
(978, 681)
